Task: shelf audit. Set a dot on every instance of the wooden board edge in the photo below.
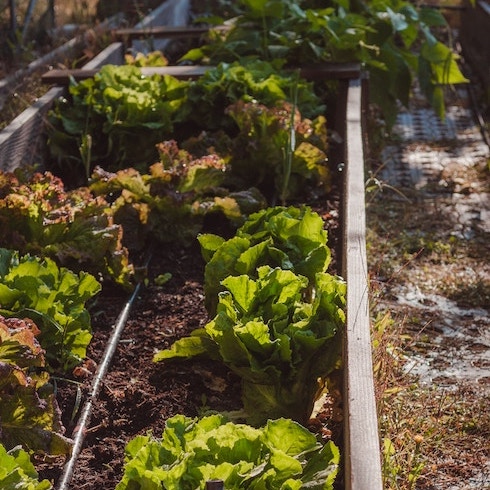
(362, 455)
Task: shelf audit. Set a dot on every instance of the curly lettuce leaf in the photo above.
(29, 413)
(280, 455)
(38, 216)
(170, 202)
(52, 297)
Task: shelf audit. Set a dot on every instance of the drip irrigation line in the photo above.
(82, 426)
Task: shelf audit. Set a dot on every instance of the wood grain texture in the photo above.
(362, 448)
(165, 32)
(327, 71)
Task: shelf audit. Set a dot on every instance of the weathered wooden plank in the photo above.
(362, 449)
(475, 39)
(332, 71)
(62, 77)
(20, 141)
(113, 54)
(170, 32)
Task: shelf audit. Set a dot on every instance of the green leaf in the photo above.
(432, 17)
(187, 347)
(445, 69)
(289, 437)
(17, 471)
(55, 299)
(209, 244)
(244, 291)
(192, 451)
(221, 265)
(398, 20)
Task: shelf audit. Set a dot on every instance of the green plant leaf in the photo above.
(17, 471)
(445, 70)
(193, 451)
(54, 298)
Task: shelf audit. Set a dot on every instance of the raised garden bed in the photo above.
(129, 402)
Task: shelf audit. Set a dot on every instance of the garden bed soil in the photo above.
(138, 395)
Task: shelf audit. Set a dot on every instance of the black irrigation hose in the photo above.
(81, 429)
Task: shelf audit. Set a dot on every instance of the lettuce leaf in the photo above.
(17, 471)
(54, 298)
(29, 413)
(292, 238)
(281, 455)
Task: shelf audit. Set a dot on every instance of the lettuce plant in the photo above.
(38, 216)
(292, 238)
(278, 315)
(29, 414)
(278, 151)
(154, 58)
(114, 119)
(273, 149)
(248, 81)
(280, 345)
(393, 39)
(170, 202)
(282, 455)
(17, 471)
(54, 298)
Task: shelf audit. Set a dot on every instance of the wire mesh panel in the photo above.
(23, 141)
(429, 144)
